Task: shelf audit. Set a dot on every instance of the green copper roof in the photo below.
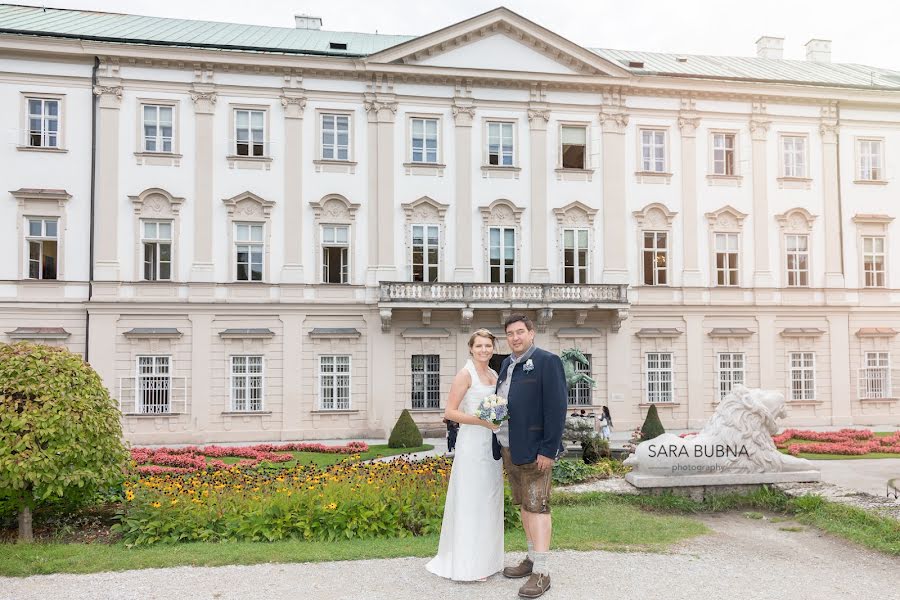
(136, 29)
(82, 24)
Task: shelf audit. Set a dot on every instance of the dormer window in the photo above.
(337, 45)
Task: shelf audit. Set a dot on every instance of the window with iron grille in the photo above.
(334, 382)
(154, 384)
(875, 377)
(426, 381)
(660, 377)
(803, 375)
(730, 371)
(246, 383)
(580, 393)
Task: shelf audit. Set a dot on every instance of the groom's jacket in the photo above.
(537, 407)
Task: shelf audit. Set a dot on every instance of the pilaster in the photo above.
(538, 116)
(759, 133)
(109, 99)
(828, 129)
(463, 116)
(688, 122)
(613, 124)
(203, 94)
(381, 109)
(293, 101)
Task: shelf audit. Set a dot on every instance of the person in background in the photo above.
(452, 430)
(605, 424)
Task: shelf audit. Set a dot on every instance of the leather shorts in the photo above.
(529, 485)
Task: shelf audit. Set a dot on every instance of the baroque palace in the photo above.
(262, 233)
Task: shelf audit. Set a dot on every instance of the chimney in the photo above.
(307, 22)
(770, 47)
(818, 51)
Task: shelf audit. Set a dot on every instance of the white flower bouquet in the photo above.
(493, 408)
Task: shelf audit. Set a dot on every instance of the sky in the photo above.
(864, 31)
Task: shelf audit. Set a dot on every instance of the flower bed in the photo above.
(848, 442)
(191, 458)
(352, 499)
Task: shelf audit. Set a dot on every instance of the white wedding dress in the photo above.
(471, 545)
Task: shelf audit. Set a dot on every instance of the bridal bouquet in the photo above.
(493, 408)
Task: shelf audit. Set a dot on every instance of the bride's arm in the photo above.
(460, 386)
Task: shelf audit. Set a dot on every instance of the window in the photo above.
(154, 384)
(580, 393)
(502, 254)
(335, 137)
(335, 254)
(334, 382)
(43, 123)
(797, 248)
(156, 237)
(500, 144)
(875, 377)
(246, 383)
(726, 259)
(653, 150)
(426, 381)
(655, 257)
(660, 378)
(43, 246)
(249, 132)
(574, 145)
(723, 154)
(425, 253)
(803, 375)
(249, 249)
(424, 140)
(575, 255)
(793, 154)
(873, 261)
(158, 128)
(871, 155)
(730, 371)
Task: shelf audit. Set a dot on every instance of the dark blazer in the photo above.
(537, 408)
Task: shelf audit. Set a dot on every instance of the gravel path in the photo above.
(742, 558)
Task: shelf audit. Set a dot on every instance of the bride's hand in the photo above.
(490, 425)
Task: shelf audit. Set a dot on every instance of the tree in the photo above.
(405, 433)
(652, 426)
(60, 434)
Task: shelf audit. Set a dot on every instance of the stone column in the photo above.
(538, 115)
(696, 384)
(767, 380)
(201, 373)
(204, 97)
(293, 102)
(106, 260)
(463, 115)
(623, 396)
(759, 129)
(839, 339)
(293, 387)
(691, 275)
(382, 111)
(828, 128)
(613, 123)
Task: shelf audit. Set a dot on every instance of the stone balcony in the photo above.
(468, 297)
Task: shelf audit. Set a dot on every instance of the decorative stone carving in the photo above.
(385, 314)
(688, 125)
(828, 127)
(654, 216)
(156, 203)
(613, 121)
(796, 220)
(425, 210)
(248, 204)
(293, 104)
(536, 113)
(501, 212)
(204, 100)
(110, 95)
(463, 114)
(726, 218)
(759, 129)
(618, 316)
(734, 447)
(576, 214)
(334, 208)
(466, 316)
(544, 316)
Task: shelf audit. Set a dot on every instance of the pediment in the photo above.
(499, 40)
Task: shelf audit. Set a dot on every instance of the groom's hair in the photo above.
(516, 318)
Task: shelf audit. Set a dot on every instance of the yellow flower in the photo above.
(129, 495)
(331, 506)
(155, 504)
(174, 501)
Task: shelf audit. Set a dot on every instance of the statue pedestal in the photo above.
(644, 480)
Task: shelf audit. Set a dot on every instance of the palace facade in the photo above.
(259, 233)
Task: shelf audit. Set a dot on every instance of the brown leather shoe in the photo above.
(522, 570)
(535, 587)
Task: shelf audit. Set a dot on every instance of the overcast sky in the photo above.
(862, 31)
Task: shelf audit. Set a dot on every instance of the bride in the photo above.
(471, 546)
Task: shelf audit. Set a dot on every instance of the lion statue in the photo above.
(737, 439)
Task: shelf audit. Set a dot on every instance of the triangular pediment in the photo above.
(499, 40)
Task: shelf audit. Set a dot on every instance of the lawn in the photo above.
(594, 523)
(323, 460)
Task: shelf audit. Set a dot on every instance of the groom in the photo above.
(534, 382)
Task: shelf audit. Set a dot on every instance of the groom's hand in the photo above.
(544, 463)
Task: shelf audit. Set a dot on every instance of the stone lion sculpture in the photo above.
(737, 439)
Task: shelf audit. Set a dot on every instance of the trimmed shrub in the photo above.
(60, 435)
(405, 433)
(652, 426)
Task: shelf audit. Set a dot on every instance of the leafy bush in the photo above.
(594, 448)
(60, 436)
(405, 433)
(652, 426)
(567, 472)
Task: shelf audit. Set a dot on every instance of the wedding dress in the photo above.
(471, 545)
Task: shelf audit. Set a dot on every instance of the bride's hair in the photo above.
(485, 333)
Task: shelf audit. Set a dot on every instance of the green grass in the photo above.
(591, 522)
(323, 459)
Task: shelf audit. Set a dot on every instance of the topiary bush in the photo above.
(60, 435)
(652, 426)
(405, 433)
